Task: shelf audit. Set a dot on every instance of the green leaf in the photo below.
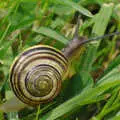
(102, 19)
(89, 95)
(13, 116)
(52, 33)
(4, 34)
(110, 76)
(57, 22)
(117, 12)
(115, 118)
(107, 107)
(86, 79)
(29, 0)
(7, 44)
(61, 9)
(87, 59)
(77, 7)
(75, 85)
(112, 65)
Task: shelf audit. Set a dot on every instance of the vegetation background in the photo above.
(93, 93)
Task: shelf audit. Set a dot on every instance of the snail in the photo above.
(37, 73)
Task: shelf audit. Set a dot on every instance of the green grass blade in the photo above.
(77, 7)
(111, 76)
(112, 65)
(86, 97)
(52, 33)
(102, 19)
(5, 33)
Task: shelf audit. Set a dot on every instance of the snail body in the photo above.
(36, 75)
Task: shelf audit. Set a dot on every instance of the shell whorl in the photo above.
(37, 73)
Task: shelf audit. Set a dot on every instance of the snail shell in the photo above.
(37, 73)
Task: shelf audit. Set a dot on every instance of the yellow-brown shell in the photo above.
(37, 73)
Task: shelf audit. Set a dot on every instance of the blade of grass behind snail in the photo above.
(12, 105)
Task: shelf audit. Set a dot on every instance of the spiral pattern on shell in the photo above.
(37, 73)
